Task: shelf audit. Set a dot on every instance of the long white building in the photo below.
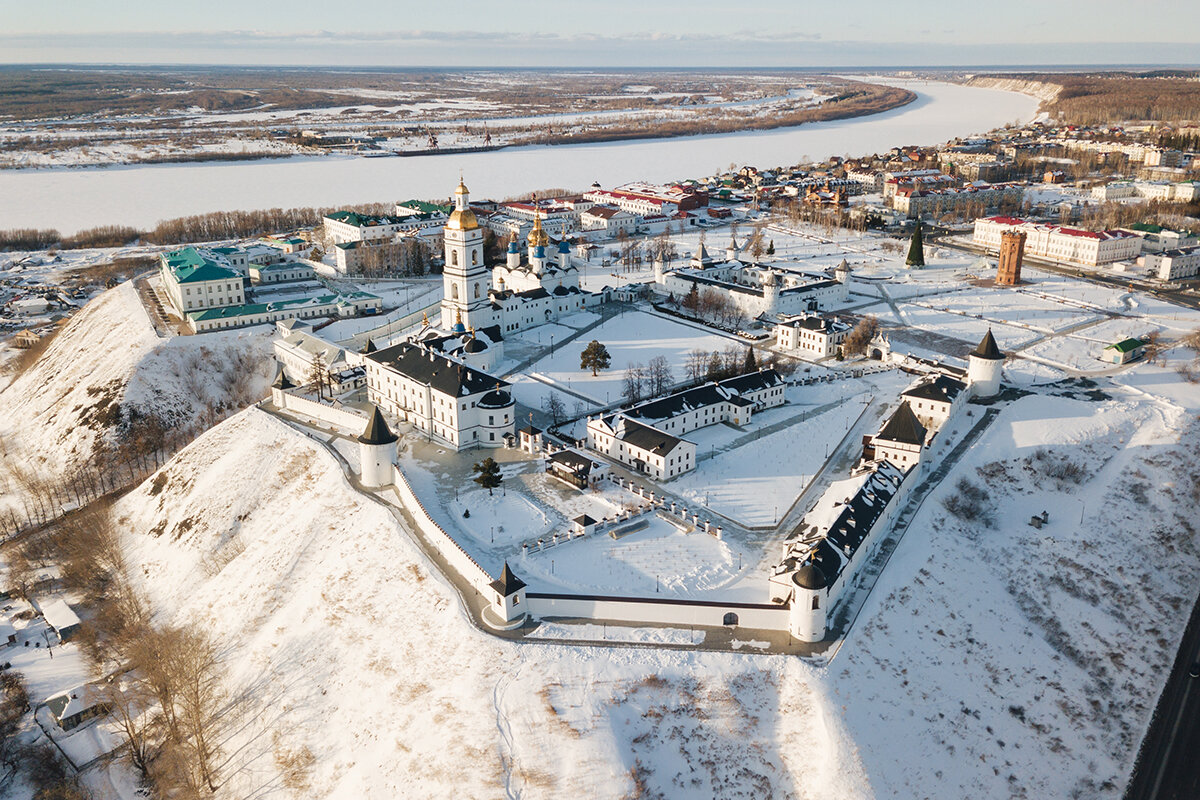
(779, 287)
(1058, 243)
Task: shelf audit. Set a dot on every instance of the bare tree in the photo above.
(634, 382)
(695, 364)
(318, 373)
(554, 408)
(199, 697)
(659, 376)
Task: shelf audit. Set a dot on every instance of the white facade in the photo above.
(194, 280)
(441, 397)
(775, 288)
(513, 295)
(648, 436)
(811, 335)
(1056, 243)
(1174, 265)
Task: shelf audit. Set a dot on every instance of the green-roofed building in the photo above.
(1124, 351)
(352, 304)
(196, 279)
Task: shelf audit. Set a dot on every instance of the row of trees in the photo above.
(712, 306)
(648, 380)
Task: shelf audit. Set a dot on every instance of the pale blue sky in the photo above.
(603, 32)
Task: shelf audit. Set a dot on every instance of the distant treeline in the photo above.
(1111, 97)
(858, 100)
(218, 225)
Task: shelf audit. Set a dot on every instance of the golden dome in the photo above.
(463, 220)
(537, 236)
(462, 187)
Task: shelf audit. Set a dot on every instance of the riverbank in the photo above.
(140, 196)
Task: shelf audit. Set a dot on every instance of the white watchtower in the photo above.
(376, 451)
(983, 367)
(809, 596)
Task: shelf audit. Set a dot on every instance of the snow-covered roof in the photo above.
(73, 701)
(59, 615)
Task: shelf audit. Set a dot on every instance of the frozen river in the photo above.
(72, 199)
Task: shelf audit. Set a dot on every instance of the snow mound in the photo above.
(108, 367)
(349, 648)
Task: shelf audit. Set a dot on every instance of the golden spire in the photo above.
(537, 236)
(424, 319)
(458, 316)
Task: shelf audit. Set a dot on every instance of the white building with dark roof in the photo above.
(648, 436)
(778, 287)
(1060, 243)
(842, 531)
(812, 335)
(444, 398)
(935, 398)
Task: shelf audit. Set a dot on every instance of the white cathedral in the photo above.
(513, 296)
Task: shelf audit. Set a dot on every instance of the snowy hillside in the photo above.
(1018, 662)
(358, 663)
(108, 364)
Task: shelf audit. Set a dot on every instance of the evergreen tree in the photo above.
(692, 300)
(594, 357)
(489, 474)
(751, 364)
(916, 251)
(771, 247)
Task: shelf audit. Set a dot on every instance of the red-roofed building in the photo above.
(1057, 243)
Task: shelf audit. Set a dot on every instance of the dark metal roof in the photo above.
(377, 430)
(435, 370)
(584, 519)
(942, 388)
(650, 439)
(572, 460)
(508, 583)
(281, 380)
(903, 427)
(810, 577)
(987, 348)
(856, 519)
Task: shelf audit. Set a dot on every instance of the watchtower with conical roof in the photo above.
(508, 600)
(376, 451)
(983, 367)
(279, 387)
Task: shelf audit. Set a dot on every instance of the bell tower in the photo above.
(465, 279)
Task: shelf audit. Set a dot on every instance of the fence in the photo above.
(359, 340)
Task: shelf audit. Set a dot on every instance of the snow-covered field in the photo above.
(632, 338)
(758, 481)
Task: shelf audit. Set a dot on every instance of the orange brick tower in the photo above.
(1012, 250)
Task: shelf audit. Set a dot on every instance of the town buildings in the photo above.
(1059, 243)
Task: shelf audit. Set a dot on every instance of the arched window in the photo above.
(454, 258)
(454, 291)
(730, 619)
(477, 290)
(474, 256)
(816, 602)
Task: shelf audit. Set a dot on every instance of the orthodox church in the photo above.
(518, 294)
